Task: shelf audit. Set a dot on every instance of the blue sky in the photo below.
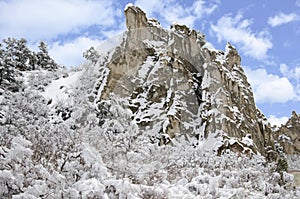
(265, 32)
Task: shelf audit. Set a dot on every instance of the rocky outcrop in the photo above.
(179, 91)
(231, 99)
(135, 18)
(232, 57)
(288, 135)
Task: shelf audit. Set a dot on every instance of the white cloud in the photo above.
(209, 45)
(188, 15)
(269, 88)
(282, 18)
(71, 53)
(41, 20)
(298, 91)
(278, 121)
(172, 12)
(287, 44)
(151, 6)
(293, 73)
(237, 31)
(284, 68)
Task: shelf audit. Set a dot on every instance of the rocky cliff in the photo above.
(177, 90)
(288, 135)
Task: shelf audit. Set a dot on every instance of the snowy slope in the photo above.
(59, 90)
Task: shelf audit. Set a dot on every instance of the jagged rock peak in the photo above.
(179, 91)
(288, 135)
(295, 115)
(232, 56)
(136, 17)
(183, 29)
(295, 119)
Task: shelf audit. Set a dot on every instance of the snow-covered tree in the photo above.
(22, 55)
(44, 59)
(91, 55)
(2, 67)
(33, 60)
(10, 71)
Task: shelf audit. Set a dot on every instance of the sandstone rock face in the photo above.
(179, 91)
(288, 135)
(135, 18)
(235, 111)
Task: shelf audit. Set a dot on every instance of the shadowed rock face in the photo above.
(179, 90)
(288, 135)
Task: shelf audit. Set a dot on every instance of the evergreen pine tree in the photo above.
(22, 55)
(1, 63)
(33, 60)
(44, 59)
(10, 48)
(9, 70)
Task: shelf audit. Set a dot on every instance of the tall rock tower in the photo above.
(179, 91)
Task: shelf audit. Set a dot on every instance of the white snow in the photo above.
(210, 144)
(220, 57)
(1, 99)
(154, 22)
(128, 6)
(284, 138)
(104, 76)
(60, 89)
(247, 141)
(228, 48)
(144, 69)
(154, 44)
(109, 45)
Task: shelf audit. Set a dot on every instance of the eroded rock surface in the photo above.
(288, 135)
(178, 90)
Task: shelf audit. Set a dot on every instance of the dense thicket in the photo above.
(15, 56)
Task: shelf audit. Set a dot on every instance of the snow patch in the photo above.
(128, 6)
(247, 140)
(60, 89)
(109, 45)
(154, 44)
(145, 68)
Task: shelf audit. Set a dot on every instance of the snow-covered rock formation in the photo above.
(153, 113)
(180, 91)
(288, 135)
